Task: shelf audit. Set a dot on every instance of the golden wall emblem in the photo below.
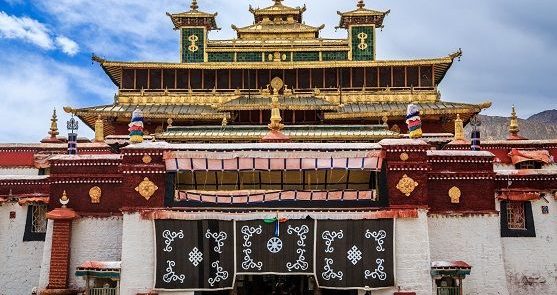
(406, 185)
(362, 37)
(146, 188)
(193, 43)
(454, 194)
(95, 194)
(146, 159)
(404, 156)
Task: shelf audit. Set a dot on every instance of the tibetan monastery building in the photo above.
(278, 162)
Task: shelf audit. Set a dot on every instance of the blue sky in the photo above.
(46, 46)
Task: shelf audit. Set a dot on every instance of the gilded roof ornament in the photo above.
(53, 126)
(458, 129)
(99, 129)
(513, 127)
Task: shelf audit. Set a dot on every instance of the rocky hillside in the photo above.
(539, 126)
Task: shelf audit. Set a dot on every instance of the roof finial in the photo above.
(513, 125)
(458, 129)
(361, 4)
(53, 126)
(278, 2)
(99, 129)
(194, 5)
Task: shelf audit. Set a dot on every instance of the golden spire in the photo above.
(53, 126)
(513, 126)
(458, 129)
(194, 5)
(99, 129)
(361, 4)
(276, 119)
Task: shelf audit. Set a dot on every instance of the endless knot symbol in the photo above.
(363, 37)
(274, 245)
(193, 40)
(195, 256)
(354, 255)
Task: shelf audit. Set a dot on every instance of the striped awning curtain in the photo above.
(271, 160)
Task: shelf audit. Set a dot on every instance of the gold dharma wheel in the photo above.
(277, 84)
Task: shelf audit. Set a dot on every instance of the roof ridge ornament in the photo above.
(513, 126)
(53, 126)
(194, 6)
(361, 4)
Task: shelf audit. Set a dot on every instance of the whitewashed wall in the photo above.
(531, 263)
(45, 262)
(20, 261)
(97, 239)
(19, 171)
(411, 248)
(476, 240)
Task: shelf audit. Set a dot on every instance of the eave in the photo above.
(114, 69)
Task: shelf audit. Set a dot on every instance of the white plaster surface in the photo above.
(531, 263)
(411, 248)
(475, 240)
(45, 262)
(93, 238)
(19, 171)
(20, 261)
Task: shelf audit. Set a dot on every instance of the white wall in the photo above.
(19, 171)
(476, 240)
(93, 238)
(45, 262)
(531, 263)
(97, 239)
(19, 261)
(411, 250)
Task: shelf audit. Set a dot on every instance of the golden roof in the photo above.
(262, 31)
(375, 16)
(180, 19)
(278, 9)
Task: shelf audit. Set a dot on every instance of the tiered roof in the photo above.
(362, 15)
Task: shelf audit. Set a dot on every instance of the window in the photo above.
(517, 219)
(529, 165)
(35, 227)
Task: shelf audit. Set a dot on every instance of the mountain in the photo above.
(549, 116)
(539, 126)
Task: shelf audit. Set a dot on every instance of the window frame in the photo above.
(29, 234)
(528, 231)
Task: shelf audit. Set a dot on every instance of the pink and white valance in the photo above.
(271, 160)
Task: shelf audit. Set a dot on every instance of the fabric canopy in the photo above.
(519, 195)
(273, 160)
(518, 156)
(245, 197)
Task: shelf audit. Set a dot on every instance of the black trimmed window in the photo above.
(517, 219)
(529, 165)
(36, 223)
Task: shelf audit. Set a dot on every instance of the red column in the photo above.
(60, 251)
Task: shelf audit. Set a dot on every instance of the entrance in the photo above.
(277, 285)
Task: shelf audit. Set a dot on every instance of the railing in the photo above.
(448, 290)
(102, 291)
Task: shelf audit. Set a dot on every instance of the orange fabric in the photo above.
(518, 156)
(519, 196)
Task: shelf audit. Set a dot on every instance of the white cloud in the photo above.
(67, 45)
(34, 32)
(24, 28)
(33, 85)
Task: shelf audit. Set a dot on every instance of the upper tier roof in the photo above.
(362, 15)
(278, 22)
(194, 17)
